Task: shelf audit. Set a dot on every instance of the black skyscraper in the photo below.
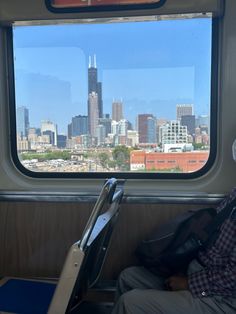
(92, 80)
(100, 104)
(94, 85)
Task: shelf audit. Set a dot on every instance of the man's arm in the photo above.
(214, 281)
(219, 276)
(207, 282)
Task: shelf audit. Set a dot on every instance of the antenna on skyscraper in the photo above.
(95, 63)
(89, 61)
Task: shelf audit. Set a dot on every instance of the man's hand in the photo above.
(175, 283)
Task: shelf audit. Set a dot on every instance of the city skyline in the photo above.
(95, 113)
(147, 126)
(60, 102)
(98, 129)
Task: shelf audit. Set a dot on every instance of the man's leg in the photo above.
(167, 302)
(137, 278)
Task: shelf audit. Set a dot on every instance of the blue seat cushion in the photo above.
(26, 296)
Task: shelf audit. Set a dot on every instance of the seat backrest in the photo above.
(86, 257)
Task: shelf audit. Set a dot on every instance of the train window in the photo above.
(132, 98)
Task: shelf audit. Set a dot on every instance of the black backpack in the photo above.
(171, 248)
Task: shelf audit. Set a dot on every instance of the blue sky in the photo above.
(152, 66)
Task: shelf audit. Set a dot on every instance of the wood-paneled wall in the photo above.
(35, 236)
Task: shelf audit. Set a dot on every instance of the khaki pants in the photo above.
(139, 292)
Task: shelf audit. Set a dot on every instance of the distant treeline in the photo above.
(65, 155)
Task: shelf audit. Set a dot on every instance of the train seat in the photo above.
(81, 269)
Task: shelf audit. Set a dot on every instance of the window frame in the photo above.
(104, 8)
(120, 175)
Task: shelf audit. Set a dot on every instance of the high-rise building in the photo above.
(114, 127)
(151, 130)
(122, 131)
(49, 128)
(93, 114)
(183, 110)
(160, 122)
(130, 126)
(100, 134)
(22, 116)
(123, 127)
(92, 76)
(142, 126)
(51, 136)
(61, 141)
(100, 101)
(117, 110)
(173, 133)
(69, 130)
(94, 85)
(106, 122)
(79, 125)
(189, 121)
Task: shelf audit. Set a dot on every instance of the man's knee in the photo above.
(124, 278)
(137, 301)
(128, 301)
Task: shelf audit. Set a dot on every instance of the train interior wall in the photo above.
(35, 236)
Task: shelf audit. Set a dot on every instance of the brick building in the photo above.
(181, 161)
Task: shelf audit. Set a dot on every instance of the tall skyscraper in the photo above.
(92, 76)
(93, 114)
(183, 110)
(94, 85)
(79, 125)
(117, 110)
(143, 127)
(22, 116)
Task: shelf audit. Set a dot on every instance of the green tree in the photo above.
(121, 155)
(111, 164)
(198, 146)
(103, 159)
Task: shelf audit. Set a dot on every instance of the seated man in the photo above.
(208, 287)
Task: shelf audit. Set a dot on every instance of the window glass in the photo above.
(115, 97)
(91, 3)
